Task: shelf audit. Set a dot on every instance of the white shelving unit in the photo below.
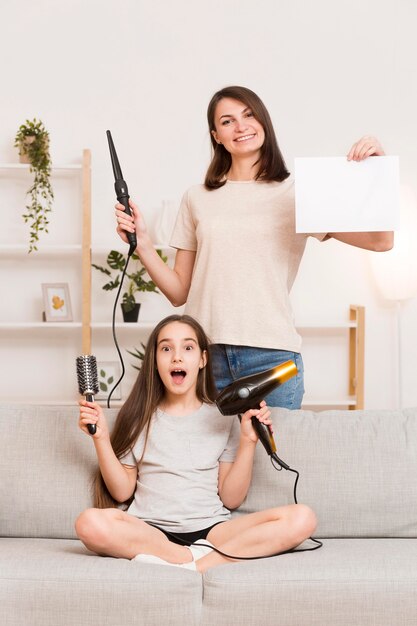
(38, 358)
(351, 334)
(348, 335)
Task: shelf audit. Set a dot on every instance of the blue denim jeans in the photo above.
(232, 362)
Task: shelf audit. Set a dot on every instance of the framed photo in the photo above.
(56, 299)
(108, 373)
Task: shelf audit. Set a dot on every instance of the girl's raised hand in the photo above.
(92, 413)
(130, 223)
(263, 414)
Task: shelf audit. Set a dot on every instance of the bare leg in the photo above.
(267, 532)
(111, 532)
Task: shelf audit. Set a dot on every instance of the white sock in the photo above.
(150, 558)
(200, 548)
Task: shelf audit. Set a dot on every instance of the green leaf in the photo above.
(111, 285)
(101, 269)
(136, 280)
(128, 302)
(116, 260)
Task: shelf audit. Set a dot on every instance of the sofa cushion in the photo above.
(45, 582)
(357, 470)
(350, 581)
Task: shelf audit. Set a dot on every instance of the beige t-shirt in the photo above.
(248, 255)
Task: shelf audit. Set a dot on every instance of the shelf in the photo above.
(123, 248)
(16, 401)
(25, 167)
(39, 325)
(47, 402)
(124, 325)
(349, 401)
(43, 251)
(152, 324)
(330, 327)
(119, 403)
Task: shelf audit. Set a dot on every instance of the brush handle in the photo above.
(92, 428)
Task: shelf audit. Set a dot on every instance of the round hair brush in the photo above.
(87, 381)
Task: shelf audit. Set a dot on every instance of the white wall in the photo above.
(328, 72)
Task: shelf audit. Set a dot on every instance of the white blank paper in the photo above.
(333, 194)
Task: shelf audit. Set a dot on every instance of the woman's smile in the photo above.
(245, 137)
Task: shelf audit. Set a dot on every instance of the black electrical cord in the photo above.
(274, 460)
(319, 543)
(113, 327)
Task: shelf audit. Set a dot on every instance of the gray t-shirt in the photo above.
(177, 486)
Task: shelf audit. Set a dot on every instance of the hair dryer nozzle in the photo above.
(247, 392)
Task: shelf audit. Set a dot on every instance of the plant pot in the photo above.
(23, 156)
(131, 315)
(29, 139)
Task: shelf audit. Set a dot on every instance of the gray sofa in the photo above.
(358, 471)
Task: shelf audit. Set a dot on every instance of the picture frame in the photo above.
(57, 302)
(108, 373)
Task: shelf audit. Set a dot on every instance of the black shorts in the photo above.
(186, 539)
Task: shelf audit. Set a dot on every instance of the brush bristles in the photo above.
(87, 374)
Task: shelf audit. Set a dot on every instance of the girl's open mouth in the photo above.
(178, 376)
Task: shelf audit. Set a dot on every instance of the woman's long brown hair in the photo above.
(271, 164)
(147, 393)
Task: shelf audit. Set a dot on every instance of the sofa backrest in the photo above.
(357, 470)
(46, 468)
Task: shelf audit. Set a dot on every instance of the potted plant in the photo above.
(32, 139)
(137, 281)
(138, 354)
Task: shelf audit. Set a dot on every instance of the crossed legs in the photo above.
(263, 533)
(111, 532)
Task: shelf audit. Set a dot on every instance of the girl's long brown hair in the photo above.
(147, 393)
(271, 164)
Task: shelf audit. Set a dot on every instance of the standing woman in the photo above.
(237, 250)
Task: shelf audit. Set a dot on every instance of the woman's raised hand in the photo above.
(366, 146)
(131, 223)
(92, 413)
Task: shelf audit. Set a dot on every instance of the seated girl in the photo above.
(179, 467)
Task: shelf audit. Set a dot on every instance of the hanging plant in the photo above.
(32, 139)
